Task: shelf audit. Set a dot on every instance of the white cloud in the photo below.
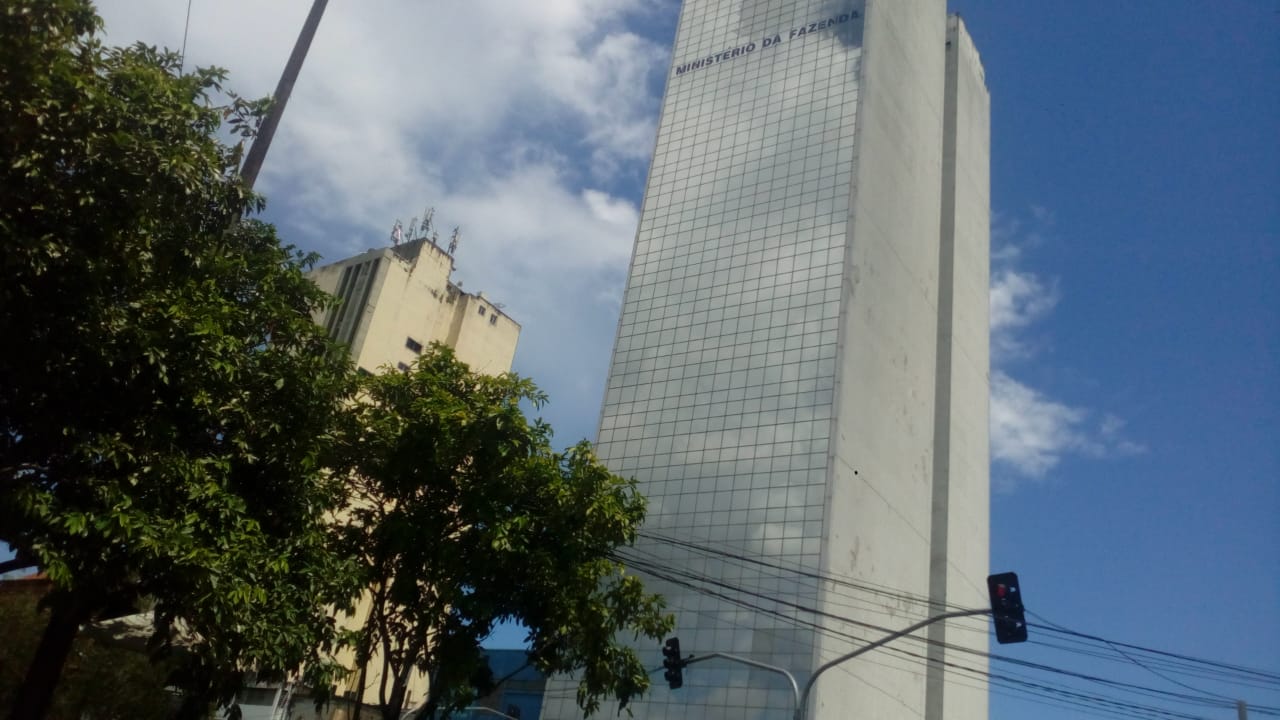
(399, 99)
(1031, 432)
(512, 119)
(1018, 299)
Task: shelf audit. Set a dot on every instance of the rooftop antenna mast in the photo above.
(426, 220)
(453, 241)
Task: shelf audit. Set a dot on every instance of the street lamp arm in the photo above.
(878, 643)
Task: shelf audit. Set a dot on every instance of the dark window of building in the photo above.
(482, 310)
(413, 345)
(402, 367)
(354, 288)
(493, 319)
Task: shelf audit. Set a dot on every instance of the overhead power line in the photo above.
(662, 569)
(1113, 706)
(1215, 669)
(1242, 669)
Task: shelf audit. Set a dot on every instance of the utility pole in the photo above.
(261, 143)
(1242, 710)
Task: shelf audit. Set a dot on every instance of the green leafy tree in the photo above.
(463, 516)
(164, 395)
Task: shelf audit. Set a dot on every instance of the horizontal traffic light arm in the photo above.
(795, 689)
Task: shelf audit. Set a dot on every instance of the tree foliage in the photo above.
(164, 395)
(463, 516)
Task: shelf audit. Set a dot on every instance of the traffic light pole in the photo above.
(795, 689)
(490, 711)
(804, 696)
(1006, 609)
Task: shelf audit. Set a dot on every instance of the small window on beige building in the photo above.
(413, 345)
(493, 319)
(482, 310)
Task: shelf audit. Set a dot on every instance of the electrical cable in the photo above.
(1140, 664)
(918, 599)
(1054, 628)
(1187, 669)
(855, 602)
(1114, 707)
(1143, 690)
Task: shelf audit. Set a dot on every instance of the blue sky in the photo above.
(1136, 160)
(1135, 177)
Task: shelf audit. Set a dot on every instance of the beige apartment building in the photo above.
(392, 303)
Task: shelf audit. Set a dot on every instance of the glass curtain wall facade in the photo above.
(744, 370)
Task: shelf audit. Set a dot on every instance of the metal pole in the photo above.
(275, 701)
(1242, 710)
(795, 689)
(261, 143)
(482, 709)
(882, 641)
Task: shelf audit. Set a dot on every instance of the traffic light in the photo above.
(673, 663)
(1006, 608)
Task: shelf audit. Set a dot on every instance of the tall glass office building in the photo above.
(800, 375)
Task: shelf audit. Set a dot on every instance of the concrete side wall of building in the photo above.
(880, 476)
(483, 336)
(962, 466)
(412, 295)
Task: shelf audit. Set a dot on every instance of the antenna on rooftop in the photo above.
(397, 232)
(413, 228)
(426, 220)
(453, 241)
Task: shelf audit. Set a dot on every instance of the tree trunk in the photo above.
(195, 706)
(364, 675)
(428, 711)
(35, 695)
(395, 704)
